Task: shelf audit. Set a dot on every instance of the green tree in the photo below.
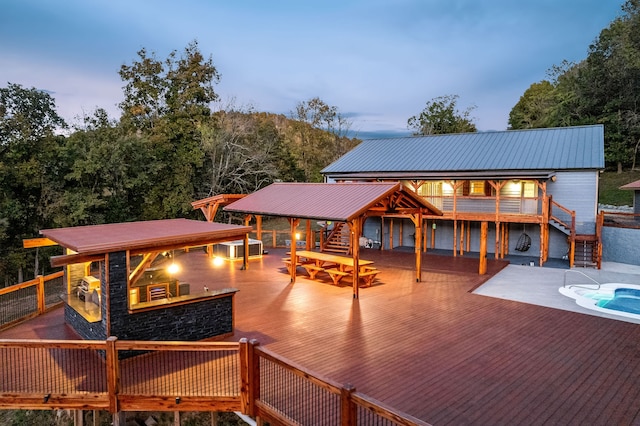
(319, 136)
(166, 102)
(441, 116)
(533, 110)
(28, 163)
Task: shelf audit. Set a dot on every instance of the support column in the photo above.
(294, 261)
(354, 228)
(484, 231)
(417, 221)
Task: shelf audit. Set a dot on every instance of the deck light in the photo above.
(218, 261)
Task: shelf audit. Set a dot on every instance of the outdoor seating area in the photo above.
(336, 267)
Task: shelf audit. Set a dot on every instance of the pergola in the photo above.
(351, 203)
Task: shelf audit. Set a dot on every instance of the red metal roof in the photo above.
(96, 239)
(330, 201)
(633, 185)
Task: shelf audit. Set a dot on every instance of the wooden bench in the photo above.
(336, 275)
(369, 275)
(313, 270)
(287, 263)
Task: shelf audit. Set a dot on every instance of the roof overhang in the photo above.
(430, 175)
(93, 241)
(340, 202)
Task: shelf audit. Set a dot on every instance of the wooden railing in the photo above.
(620, 220)
(30, 298)
(563, 216)
(121, 376)
(278, 238)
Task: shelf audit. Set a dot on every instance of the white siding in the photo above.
(577, 191)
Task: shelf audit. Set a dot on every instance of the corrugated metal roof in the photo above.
(633, 185)
(327, 201)
(94, 239)
(563, 148)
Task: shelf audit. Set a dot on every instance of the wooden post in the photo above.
(433, 235)
(484, 230)
(40, 290)
(425, 237)
(245, 258)
(468, 236)
(381, 233)
(113, 374)
(418, 224)
(462, 233)
(294, 258)
(347, 408)
(354, 228)
(309, 236)
(498, 245)
(542, 241)
(249, 374)
(259, 227)
(455, 238)
(78, 418)
(391, 234)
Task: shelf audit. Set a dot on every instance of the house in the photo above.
(538, 189)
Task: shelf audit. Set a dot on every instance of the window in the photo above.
(477, 187)
(529, 189)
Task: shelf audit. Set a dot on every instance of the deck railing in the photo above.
(30, 298)
(118, 376)
(290, 394)
(620, 220)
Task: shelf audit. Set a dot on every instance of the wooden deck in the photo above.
(430, 349)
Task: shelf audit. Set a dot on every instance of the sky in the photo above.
(378, 61)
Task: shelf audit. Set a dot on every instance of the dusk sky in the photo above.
(377, 61)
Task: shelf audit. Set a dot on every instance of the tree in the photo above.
(319, 136)
(166, 102)
(240, 148)
(28, 164)
(441, 116)
(533, 110)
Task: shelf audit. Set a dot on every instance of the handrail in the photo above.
(571, 213)
(105, 375)
(564, 284)
(20, 303)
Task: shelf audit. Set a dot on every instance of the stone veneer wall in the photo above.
(87, 330)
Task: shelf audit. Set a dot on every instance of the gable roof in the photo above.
(339, 202)
(632, 186)
(541, 150)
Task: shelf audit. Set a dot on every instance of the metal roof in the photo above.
(563, 148)
(339, 202)
(154, 234)
(633, 186)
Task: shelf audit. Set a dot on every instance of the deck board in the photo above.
(431, 349)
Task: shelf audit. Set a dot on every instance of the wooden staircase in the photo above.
(339, 240)
(586, 251)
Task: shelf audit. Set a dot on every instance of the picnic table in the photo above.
(335, 265)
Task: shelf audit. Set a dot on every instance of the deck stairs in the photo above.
(587, 247)
(586, 252)
(339, 239)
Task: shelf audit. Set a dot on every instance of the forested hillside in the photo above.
(604, 89)
(173, 143)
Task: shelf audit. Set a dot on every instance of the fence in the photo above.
(180, 376)
(30, 298)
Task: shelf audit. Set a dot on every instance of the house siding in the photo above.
(578, 191)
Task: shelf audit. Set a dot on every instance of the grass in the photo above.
(610, 182)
